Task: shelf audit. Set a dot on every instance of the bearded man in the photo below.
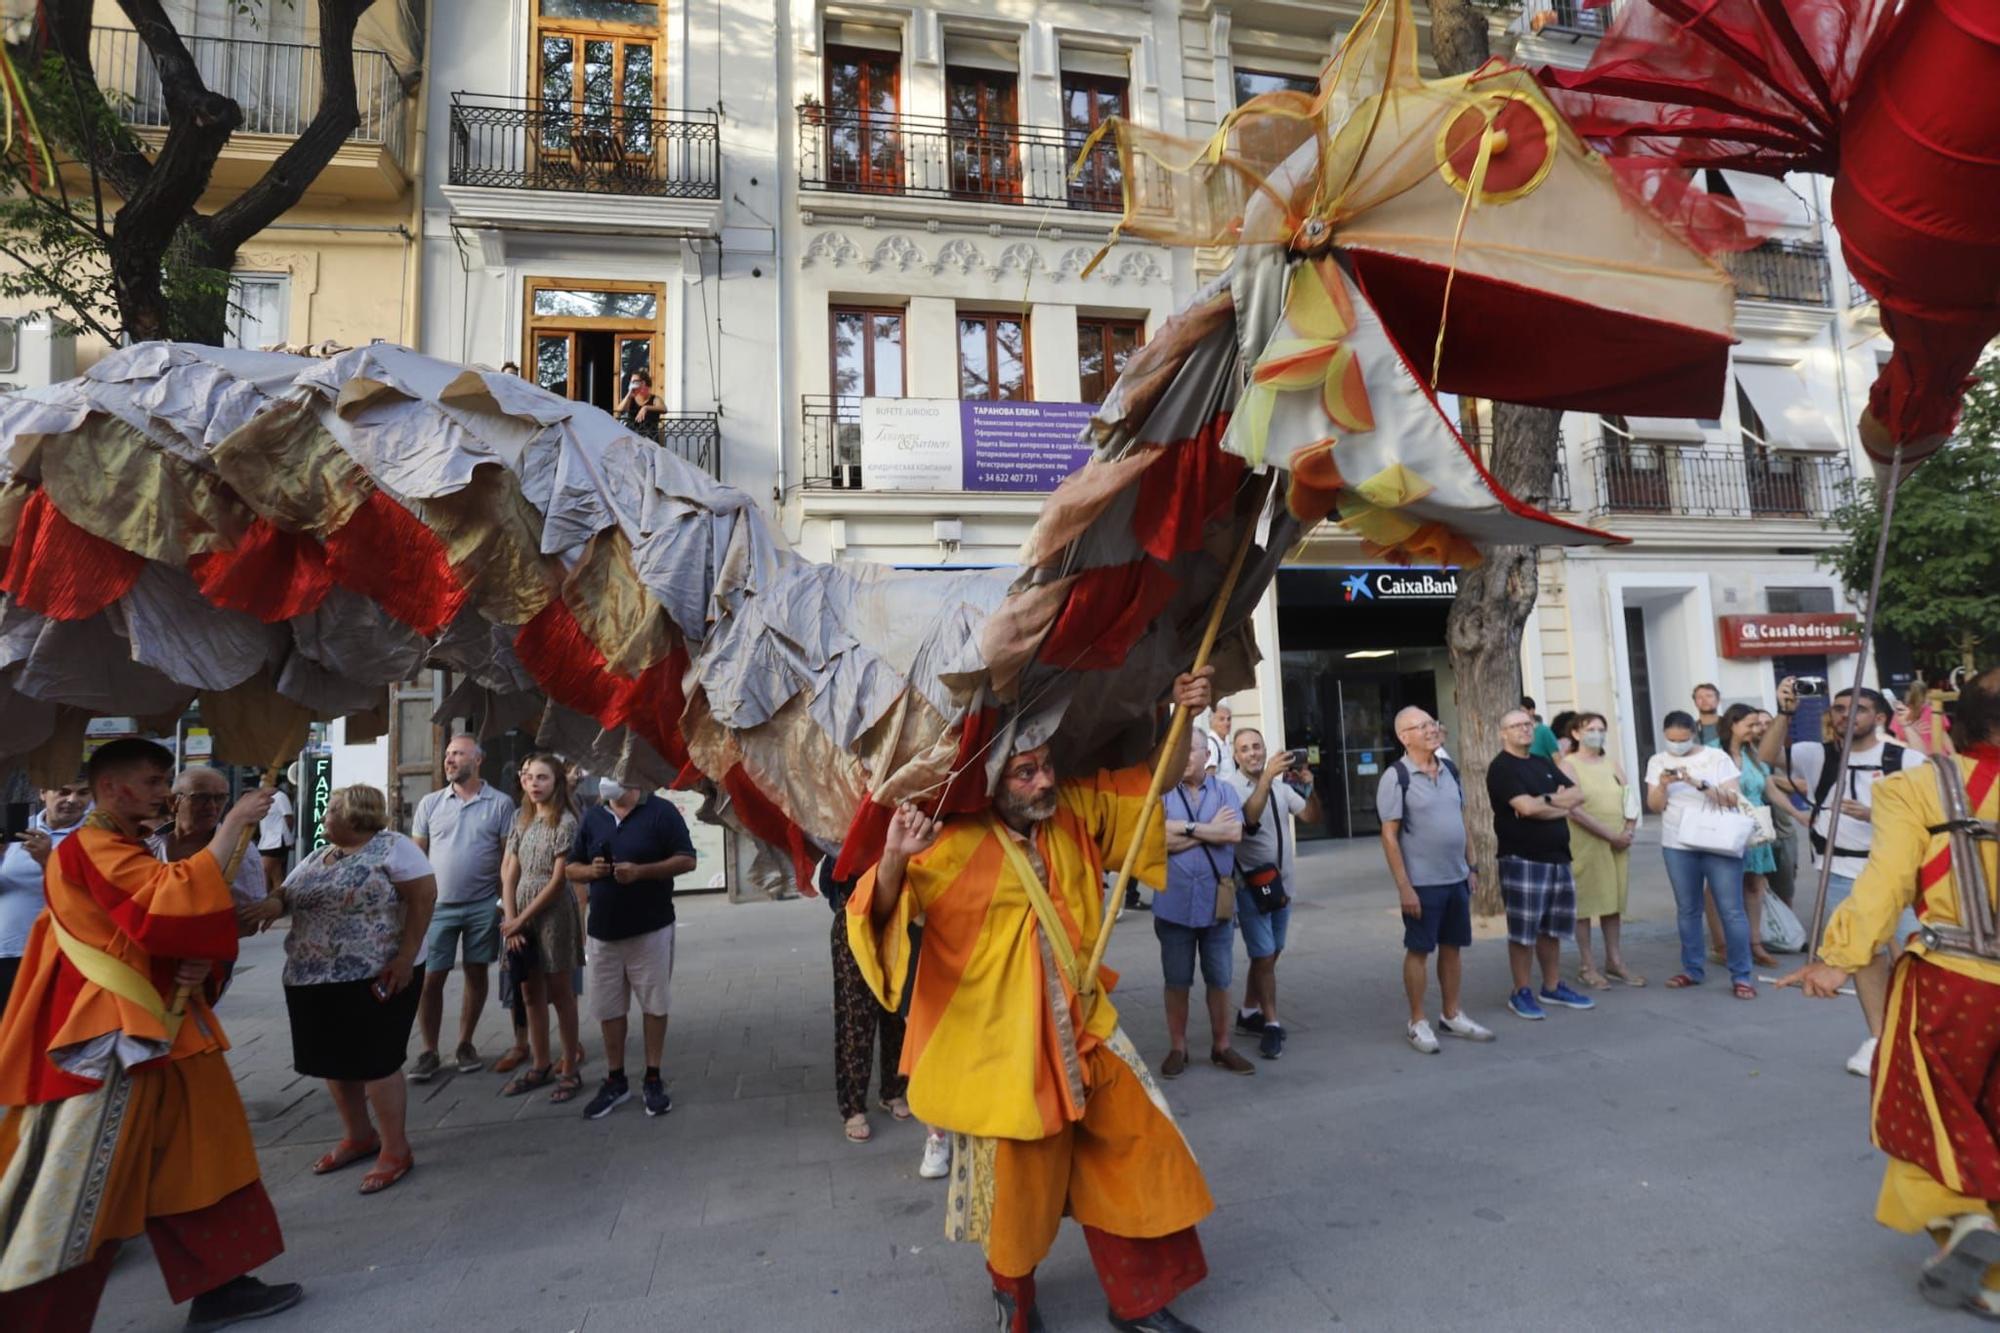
(1052, 1110)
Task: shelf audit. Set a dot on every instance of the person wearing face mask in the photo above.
(1600, 859)
(1684, 777)
(62, 811)
(1740, 733)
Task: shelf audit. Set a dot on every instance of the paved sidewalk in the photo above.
(1671, 1160)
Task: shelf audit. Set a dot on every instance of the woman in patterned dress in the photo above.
(360, 906)
(543, 926)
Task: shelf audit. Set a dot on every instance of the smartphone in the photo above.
(1809, 687)
(381, 991)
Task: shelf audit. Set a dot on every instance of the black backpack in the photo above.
(1402, 767)
(1829, 773)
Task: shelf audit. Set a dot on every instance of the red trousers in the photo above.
(1138, 1276)
(197, 1252)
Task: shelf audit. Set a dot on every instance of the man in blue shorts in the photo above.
(1532, 800)
(1422, 808)
(1274, 793)
(1194, 915)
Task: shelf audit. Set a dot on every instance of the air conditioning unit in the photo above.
(36, 351)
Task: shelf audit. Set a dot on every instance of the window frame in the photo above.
(1105, 326)
(868, 177)
(579, 31)
(1099, 184)
(535, 327)
(987, 140)
(992, 319)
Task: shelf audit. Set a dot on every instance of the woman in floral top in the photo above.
(543, 926)
(360, 906)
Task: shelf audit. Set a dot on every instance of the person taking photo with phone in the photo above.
(1275, 790)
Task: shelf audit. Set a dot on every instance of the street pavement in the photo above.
(1670, 1160)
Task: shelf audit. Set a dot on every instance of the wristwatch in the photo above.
(1188, 830)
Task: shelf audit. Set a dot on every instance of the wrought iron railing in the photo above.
(1637, 476)
(1857, 295)
(1790, 272)
(524, 143)
(832, 438)
(275, 83)
(1558, 496)
(935, 157)
(695, 436)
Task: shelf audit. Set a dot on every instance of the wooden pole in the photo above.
(1163, 773)
(236, 863)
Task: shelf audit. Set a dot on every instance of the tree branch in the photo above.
(77, 307)
(122, 161)
(298, 166)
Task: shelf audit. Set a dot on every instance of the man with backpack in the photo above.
(1816, 771)
(1422, 808)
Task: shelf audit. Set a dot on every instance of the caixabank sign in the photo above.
(1400, 585)
(1781, 634)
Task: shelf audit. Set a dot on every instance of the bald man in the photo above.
(200, 796)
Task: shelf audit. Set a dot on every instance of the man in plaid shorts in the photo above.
(1532, 801)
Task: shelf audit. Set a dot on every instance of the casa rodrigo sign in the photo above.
(1781, 634)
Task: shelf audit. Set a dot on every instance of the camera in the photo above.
(1809, 687)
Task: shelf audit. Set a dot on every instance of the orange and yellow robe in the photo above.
(1935, 1103)
(124, 1115)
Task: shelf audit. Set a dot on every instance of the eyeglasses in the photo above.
(205, 797)
(1516, 726)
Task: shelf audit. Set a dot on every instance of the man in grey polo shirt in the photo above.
(1422, 807)
(462, 828)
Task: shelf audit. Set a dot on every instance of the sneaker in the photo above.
(1863, 1059)
(1231, 1059)
(937, 1157)
(467, 1060)
(426, 1068)
(238, 1300)
(1423, 1038)
(1249, 1020)
(654, 1093)
(1271, 1044)
(609, 1094)
(1567, 997)
(1459, 1025)
(1134, 903)
(1522, 1002)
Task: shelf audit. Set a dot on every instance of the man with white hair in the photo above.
(200, 796)
(462, 828)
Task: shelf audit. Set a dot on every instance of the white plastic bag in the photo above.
(1783, 932)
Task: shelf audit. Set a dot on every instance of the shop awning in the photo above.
(1779, 394)
(1771, 198)
(1666, 430)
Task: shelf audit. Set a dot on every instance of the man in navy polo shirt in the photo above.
(628, 851)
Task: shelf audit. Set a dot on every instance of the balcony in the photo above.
(832, 442)
(1574, 21)
(277, 86)
(936, 158)
(595, 167)
(1787, 272)
(1635, 476)
(696, 437)
(1558, 498)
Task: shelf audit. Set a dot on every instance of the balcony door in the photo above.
(982, 106)
(1635, 472)
(1103, 346)
(1773, 479)
(864, 147)
(867, 348)
(596, 80)
(993, 357)
(587, 340)
(1088, 101)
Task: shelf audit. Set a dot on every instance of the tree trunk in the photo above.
(1459, 36)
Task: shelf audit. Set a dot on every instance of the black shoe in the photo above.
(1003, 1306)
(654, 1093)
(1134, 903)
(1272, 1044)
(238, 1300)
(609, 1094)
(1161, 1320)
(1249, 1022)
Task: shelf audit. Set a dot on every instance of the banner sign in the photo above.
(943, 444)
(1399, 585)
(315, 789)
(1782, 634)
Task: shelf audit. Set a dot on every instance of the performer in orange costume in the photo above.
(1053, 1109)
(120, 1114)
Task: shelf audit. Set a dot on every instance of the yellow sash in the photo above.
(112, 974)
(1038, 897)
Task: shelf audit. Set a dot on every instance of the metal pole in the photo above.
(1860, 675)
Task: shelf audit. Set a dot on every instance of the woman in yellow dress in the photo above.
(1599, 849)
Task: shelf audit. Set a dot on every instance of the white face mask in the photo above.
(1593, 740)
(1680, 747)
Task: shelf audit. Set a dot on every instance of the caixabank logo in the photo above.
(1369, 585)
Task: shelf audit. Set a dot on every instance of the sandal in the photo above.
(510, 1060)
(1594, 979)
(1620, 974)
(527, 1081)
(1681, 981)
(567, 1086)
(857, 1128)
(382, 1177)
(345, 1153)
(1743, 990)
(897, 1106)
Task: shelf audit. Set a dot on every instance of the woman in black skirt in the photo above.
(360, 906)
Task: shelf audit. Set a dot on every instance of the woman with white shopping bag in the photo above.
(1704, 837)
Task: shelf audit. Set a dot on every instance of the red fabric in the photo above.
(862, 846)
(1947, 1023)
(47, 1083)
(1176, 501)
(967, 789)
(384, 553)
(571, 670)
(270, 574)
(656, 704)
(65, 1303)
(1977, 786)
(211, 935)
(1712, 223)
(1140, 1274)
(201, 1250)
(1105, 613)
(56, 568)
(763, 819)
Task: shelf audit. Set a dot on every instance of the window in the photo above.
(867, 347)
(600, 60)
(993, 357)
(1088, 101)
(1103, 346)
(1256, 82)
(864, 150)
(981, 105)
(586, 341)
(10, 346)
(259, 309)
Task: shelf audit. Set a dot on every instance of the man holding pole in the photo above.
(121, 1115)
(1012, 1045)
